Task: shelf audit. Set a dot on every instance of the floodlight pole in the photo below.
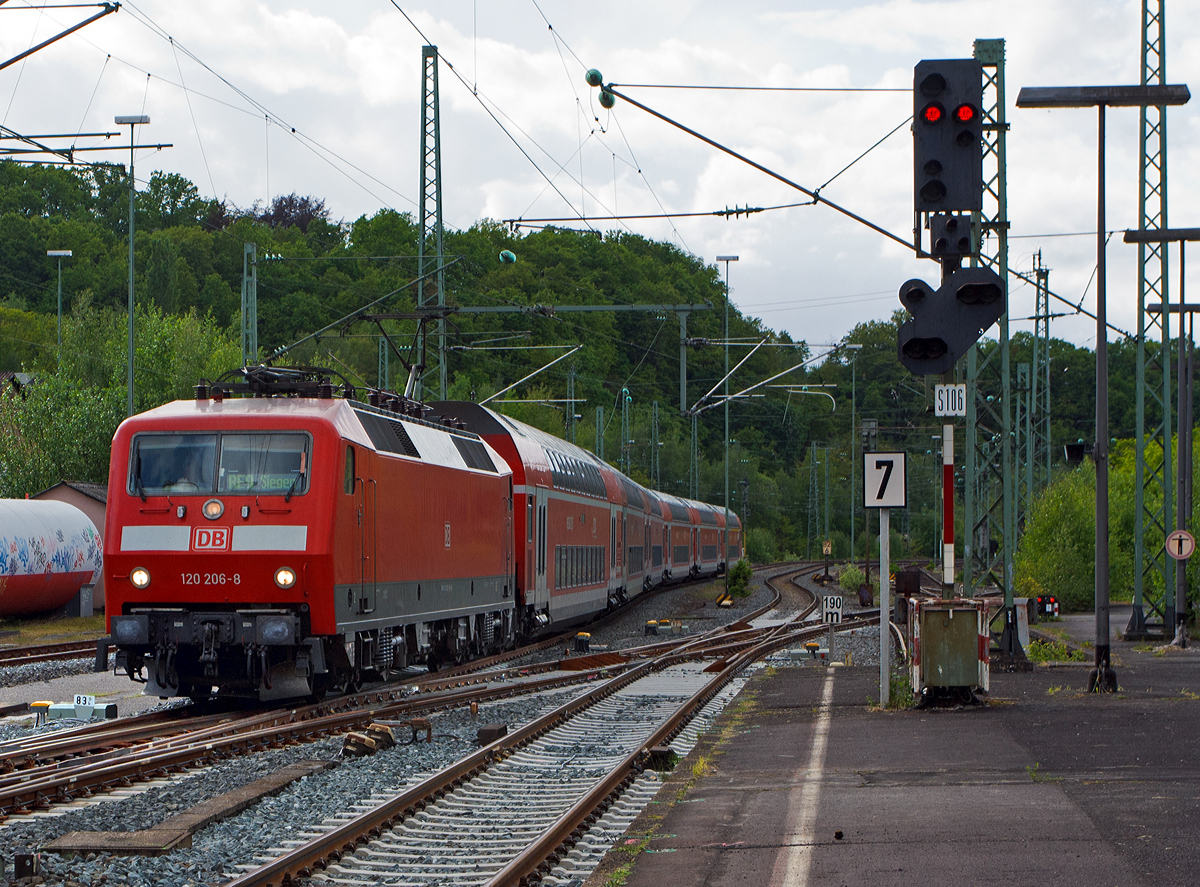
(131, 122)
(1175, 619)
(853, 349)
(59, 254)
(727, 260)
(1102, 678)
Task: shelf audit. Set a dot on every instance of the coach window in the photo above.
(529, 520)
(348, 480)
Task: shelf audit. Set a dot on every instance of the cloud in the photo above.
(348, 78)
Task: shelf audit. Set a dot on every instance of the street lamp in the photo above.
(59, 254)
(853, 349)
(727, 260)
(131, 121)
(1102, 678)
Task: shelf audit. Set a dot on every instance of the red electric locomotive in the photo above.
(294, 540)
(281, 545)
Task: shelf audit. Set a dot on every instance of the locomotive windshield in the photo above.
(174, 463)
(263, 463)
(203, 464)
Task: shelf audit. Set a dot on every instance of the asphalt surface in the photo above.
(807, 783)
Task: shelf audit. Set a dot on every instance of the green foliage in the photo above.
(1053, 651)
(739, 578)
(26, 339)
(1057, 553)
(850, 578)
(313, 271)
(61, 424)
(760, 546)
(900, 691)
(56, 430)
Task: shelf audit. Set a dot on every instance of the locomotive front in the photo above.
(218, 516)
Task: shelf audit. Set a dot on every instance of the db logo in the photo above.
(210, 539)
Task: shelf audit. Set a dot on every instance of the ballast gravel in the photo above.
(38, 672)
(217, 850)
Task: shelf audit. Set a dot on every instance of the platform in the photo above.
(808, 784)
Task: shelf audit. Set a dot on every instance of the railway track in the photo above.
(12, 656)
(517, 807)
(41, 771)
(47, 772)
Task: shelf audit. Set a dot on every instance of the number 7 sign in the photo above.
(885, 480)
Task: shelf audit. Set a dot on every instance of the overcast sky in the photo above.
(346, 77)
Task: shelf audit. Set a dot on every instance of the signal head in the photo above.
(947, 135)
(933, 84)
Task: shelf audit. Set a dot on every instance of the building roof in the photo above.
(99, 492)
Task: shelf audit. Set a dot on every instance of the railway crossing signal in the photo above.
(948, 135)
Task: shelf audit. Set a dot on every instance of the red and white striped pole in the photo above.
(947, 511)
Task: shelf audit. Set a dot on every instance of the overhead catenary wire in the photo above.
(816, 197)
(700, 86)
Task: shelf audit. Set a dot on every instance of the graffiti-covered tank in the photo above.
(48, 551)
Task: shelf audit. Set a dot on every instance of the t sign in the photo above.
(885, 479)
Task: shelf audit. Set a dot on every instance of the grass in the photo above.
(1054, 651)
(900, 693)
(1035, 774)
(632, 847)
(50, 631)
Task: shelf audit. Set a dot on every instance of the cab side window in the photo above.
(348, 481)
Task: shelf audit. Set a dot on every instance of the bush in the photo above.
(851, 577)
(1054, 651)
(739, 579)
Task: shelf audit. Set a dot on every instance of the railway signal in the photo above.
(949, 320)
(947, 135)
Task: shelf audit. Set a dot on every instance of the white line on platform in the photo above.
(802, 810)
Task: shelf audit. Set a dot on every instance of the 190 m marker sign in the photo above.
(885, 480)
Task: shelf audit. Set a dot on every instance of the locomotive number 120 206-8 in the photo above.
(211, 579)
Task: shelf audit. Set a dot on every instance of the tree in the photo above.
(56, 430)
(292, 211)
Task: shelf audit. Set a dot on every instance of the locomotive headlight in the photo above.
(213, 509)
(140, 577)
(285, 577)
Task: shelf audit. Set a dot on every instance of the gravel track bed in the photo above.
(35, 672)
(694, 605)
(219, 848)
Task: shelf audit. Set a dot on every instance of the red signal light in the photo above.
(965, 113)
(933, 113)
